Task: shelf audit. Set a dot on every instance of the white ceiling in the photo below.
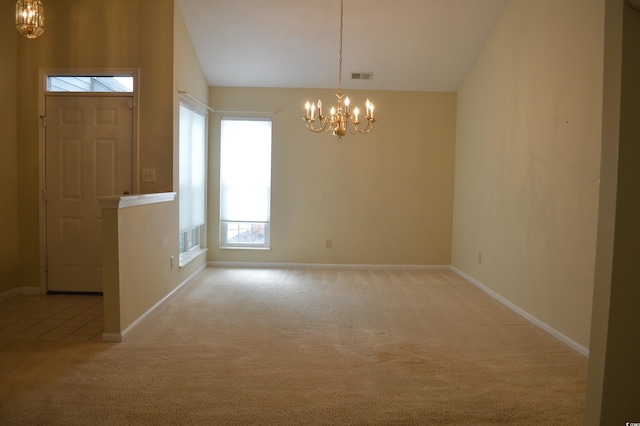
(422, 45)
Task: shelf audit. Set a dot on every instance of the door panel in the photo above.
(88, 150)
(106, 173)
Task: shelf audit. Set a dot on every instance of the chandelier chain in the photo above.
(341, 31)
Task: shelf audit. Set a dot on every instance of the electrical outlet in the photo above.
(479, 257)
(328, 243)
(149, 175)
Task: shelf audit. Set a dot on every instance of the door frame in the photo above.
(44, 73)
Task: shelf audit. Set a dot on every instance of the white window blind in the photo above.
(192, 173)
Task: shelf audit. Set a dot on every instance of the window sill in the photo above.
(244, 248)
(185, 258)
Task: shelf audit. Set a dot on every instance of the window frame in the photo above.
(223, 228)
(187, 248)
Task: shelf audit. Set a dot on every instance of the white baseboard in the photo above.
(272, 265)
(535, 321)
(19, 291)
(118, 337)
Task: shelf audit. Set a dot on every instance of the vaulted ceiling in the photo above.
(418, 45)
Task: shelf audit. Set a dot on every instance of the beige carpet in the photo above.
(307, 346)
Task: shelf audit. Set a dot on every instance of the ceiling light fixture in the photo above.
(30, 18)
(340, 120)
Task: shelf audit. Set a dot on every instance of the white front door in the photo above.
(88, 154)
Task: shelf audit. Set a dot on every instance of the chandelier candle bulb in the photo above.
(319, 109)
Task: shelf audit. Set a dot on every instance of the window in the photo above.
(95, 83)
(245, 182)
(190, 239)
(192, 177)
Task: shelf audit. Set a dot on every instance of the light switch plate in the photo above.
(149, 175)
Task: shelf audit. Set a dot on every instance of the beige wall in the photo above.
(140, 242)
(9, 245)
(138, 269)
(94, 34)
(527, 161)
(383, 198)
(614, 371)
(188, 77)
(146, 279)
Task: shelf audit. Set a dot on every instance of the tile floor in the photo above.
(52, 317)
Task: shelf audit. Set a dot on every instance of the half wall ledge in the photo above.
(123, 201)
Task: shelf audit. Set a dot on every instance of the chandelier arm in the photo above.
(324, 125)
(365, 131)
(310, 127)
(368, 128)
(352, 127)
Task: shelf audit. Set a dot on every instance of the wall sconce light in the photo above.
(30, 18)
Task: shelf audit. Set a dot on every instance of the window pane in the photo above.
(182, 243)
(245, 234)
(99, 84)
(194, 237)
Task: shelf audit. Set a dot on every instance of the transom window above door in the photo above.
(90, 83)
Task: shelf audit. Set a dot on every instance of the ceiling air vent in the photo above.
(361, 76)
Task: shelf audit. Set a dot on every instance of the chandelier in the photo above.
(30, 18)
(340, 120)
